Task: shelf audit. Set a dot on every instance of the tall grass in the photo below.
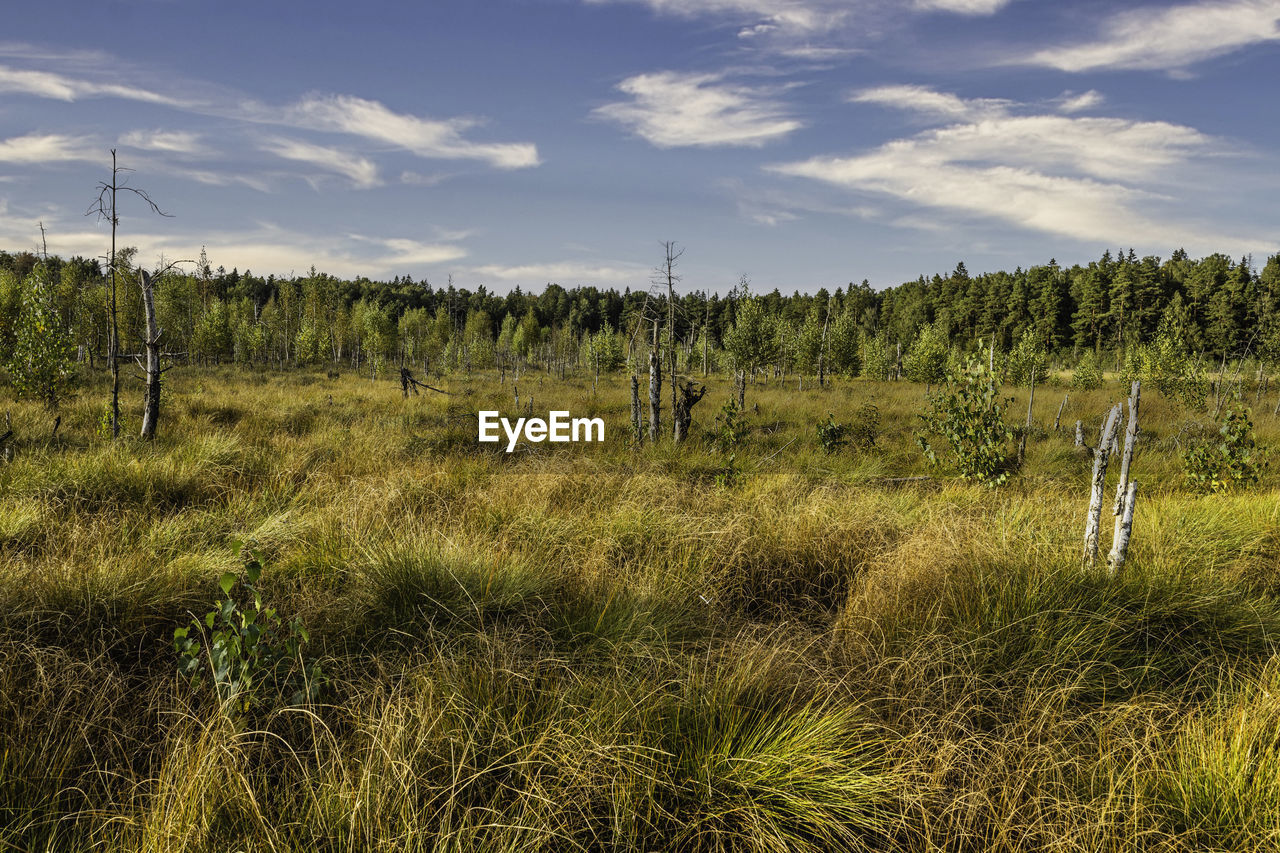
(598, 648)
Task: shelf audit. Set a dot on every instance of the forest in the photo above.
(1216, 308)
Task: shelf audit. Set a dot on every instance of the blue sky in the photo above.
(802, 143)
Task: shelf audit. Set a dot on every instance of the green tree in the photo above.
(926, 362)
(751, 343)
(41, 365)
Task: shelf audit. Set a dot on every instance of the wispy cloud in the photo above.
(563, 272)
(1165, 38)
(963, 7)
(672, 109)
(1093, 179)
(1072, 103)
(166, 141)
(425, 137)
(363, 173)
(931, 102)
(47, 84)
(41, 149)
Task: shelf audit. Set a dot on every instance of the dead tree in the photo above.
(1094, 518)
(1031, 399)
(655, 388)
(105, 208)
(822, 348)
(1125, 491)
(151, 402)
(636, 420)
(683, 414)
(1079, 434)
(666, 274)
(1058, 419)
(408, 383)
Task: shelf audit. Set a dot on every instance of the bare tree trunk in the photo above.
(1057, 421)
(1124, 530)
(1120, 509)
(655, 387)
(1094, 519)
(706, 338)
(740, 382)
(1079, 434)
(636, 419)
(151, 406)
(822, 350)
(1031, 399)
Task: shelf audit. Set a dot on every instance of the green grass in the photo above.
(598, 648)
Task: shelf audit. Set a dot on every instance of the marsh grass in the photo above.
(597, 647)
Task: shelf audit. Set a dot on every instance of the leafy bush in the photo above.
(831, 435)
(1088, 375)
(968, 413)
(252, 655)
(1232, 461)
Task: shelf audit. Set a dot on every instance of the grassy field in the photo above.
(607, 648)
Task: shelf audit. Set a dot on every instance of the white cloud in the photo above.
(797, 16)
(39, 149)
(441, 139)
(402, 252)
(1169, 38)
(931, 102)
(47, 84)
(165, 141)
(567, 273)
(963, 7)
(1093, 179)
(673, 109)
(362, 172)
(1070, 103)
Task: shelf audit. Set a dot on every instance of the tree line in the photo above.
(1215, 308)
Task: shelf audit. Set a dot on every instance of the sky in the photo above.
(799, 143)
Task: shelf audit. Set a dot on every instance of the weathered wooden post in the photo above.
(1094, 519)
(1079, 434)
(1058, 419)
(1125, 491)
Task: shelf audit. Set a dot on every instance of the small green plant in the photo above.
(968, 412)
(831, 435)
(251, 655)
(103, 429)
(1231, 461)
(728, 436)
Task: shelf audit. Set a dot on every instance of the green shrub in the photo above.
(968, 413)
(1231, 461)
(831, 435)
(251, 655)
